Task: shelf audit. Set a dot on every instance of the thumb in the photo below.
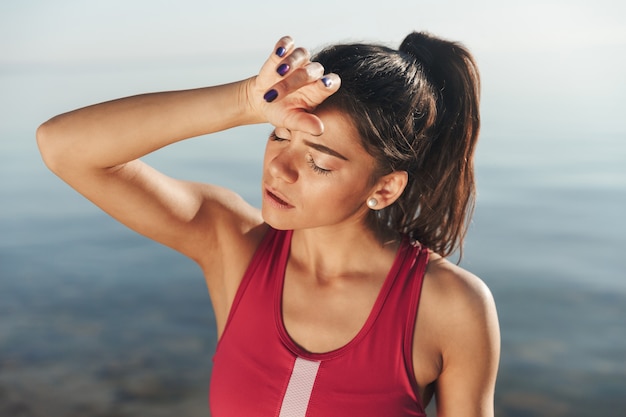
(304, 121)
(314, 94)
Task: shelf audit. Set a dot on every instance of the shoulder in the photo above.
(226, 210)
(461, 313)
(463, 325)
(461, 293)
(228, 202)
(229, 229)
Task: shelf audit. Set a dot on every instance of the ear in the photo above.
(389, 188)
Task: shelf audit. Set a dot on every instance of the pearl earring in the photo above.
(372, 202)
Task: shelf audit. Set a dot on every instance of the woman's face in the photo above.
(316, 181)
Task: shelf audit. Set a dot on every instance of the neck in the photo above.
(336, 252)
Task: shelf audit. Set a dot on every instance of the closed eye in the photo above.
(276, 138)
(316, 168)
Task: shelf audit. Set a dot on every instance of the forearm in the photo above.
(112, 133)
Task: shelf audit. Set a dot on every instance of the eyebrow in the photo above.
(325, 149)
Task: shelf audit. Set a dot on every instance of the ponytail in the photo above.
(416, 110)
(445, 184)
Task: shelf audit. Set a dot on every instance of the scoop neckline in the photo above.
(383, 293)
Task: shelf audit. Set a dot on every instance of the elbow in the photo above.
(49, 145)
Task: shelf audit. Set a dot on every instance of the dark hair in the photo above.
(417, 110)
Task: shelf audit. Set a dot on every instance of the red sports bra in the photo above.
(258, 370)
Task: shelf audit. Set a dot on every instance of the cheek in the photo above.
(337, 193)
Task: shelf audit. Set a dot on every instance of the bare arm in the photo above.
(118, 131)
(467, 334)
(96, 149)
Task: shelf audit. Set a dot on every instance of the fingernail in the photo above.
(282, 69)
(281, 51)
(270, 95)
(327, 81)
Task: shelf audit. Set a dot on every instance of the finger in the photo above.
(299, 78)
(327, 86)
(282, 48)
(312, 95)
(304, 121)
(275, 67)
(296, 59)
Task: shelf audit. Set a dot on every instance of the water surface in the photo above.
(96, 320)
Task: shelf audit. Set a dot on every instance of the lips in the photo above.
(276, 199)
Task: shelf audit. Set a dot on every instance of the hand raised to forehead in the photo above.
(289, 87)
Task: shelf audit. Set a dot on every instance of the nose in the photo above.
(282, 166)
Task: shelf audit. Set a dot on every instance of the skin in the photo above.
(316, 180)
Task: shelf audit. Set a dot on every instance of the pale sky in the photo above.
(42, 30)
(560, 52)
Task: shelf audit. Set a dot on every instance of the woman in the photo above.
(367, 186)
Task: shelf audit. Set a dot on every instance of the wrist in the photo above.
(248, 102)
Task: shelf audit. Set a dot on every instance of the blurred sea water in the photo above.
(98, 321)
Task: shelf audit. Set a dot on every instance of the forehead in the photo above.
(340, 133)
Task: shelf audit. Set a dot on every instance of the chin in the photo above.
(276, 220)
(282, 221)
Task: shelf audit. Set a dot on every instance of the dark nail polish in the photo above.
(270, 95)
(281, 51)
(327, 81)
(282, 69)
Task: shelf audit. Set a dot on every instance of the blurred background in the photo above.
(97, 321)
